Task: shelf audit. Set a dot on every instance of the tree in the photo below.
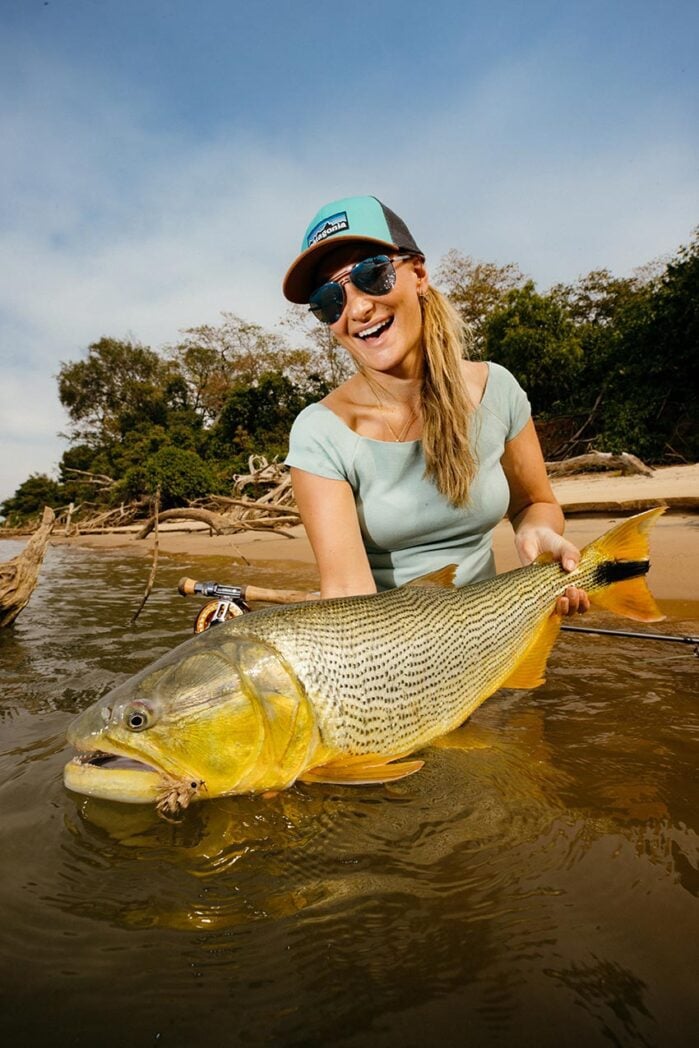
(477, 289)
(37, 491)
(532, 336)
(178, 474)
(327, 358)
(258, 417)
(116, 377)
(213, 359)
(650, 402)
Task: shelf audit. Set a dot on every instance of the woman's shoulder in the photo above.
(318, 424)
(486, 379)
(475, 374)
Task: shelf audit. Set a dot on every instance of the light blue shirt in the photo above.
(408, 527)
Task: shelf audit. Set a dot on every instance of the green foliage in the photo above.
(117, 382)
(31, 496)
(478, 290)
(258, 417)
(531, 335)
(180, 475)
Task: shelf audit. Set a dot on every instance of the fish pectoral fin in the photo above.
(441, 579)
(529, 671)
(357, 770)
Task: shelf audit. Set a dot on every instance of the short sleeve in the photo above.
(513, 405)
(320, 443)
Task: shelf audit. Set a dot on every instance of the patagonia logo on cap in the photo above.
(328, 227)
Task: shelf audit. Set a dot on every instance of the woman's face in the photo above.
(381, 332)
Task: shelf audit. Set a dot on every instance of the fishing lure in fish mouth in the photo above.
(340, 690)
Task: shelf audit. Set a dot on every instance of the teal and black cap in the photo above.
(362, 218)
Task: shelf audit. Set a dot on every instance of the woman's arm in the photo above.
(329, 516)
(535, 514)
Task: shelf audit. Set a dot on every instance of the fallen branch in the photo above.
(628, 464)
(154, 565)
(215, 521)
(673, 503)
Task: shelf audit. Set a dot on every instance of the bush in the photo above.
(180, 474)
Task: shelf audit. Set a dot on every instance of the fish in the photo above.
(340, 690)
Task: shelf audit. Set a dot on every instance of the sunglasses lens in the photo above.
(328, 302)
(376, 276)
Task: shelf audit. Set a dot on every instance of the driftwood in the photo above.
(673, 503)
(215, 521)
(154, 565)
(628, 464)
(18, 576)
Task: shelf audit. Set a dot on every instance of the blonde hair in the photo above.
(446, 406)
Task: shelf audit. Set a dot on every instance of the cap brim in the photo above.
(299, 282)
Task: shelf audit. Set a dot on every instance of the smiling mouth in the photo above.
(368, 334)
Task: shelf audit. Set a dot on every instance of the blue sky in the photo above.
(161, 157)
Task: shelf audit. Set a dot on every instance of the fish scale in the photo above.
(389, 673)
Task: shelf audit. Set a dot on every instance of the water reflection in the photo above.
(543, 864)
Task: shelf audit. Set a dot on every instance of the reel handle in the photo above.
(191, 587)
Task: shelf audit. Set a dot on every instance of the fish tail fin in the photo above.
(615, 565)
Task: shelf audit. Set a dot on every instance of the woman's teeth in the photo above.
(377, 329)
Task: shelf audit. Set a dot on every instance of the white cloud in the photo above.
(114, 229)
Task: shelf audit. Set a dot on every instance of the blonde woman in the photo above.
(409, 464)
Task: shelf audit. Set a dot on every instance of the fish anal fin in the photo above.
(441, 579)
(630, 597)
(355, 771)
(529, 671)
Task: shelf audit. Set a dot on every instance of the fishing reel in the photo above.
(229, 602)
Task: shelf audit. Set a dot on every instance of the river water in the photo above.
(534, 884)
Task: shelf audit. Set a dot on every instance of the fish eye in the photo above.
(138, 716)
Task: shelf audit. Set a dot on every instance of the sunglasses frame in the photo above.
(338, 286)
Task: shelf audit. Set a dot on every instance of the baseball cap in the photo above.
(362, 218)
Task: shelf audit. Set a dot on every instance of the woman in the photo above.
(410, 464)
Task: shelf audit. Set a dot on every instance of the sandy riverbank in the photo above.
(674, 548)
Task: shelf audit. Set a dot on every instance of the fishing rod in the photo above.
(232, 600)
(635, 635)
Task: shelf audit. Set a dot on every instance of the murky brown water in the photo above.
(535, 884)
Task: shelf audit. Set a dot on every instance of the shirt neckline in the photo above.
(401, 443)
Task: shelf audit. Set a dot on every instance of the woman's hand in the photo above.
(531, 542)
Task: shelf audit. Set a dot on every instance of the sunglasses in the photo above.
(374, 276)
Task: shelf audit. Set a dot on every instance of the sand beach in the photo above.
(592, 503)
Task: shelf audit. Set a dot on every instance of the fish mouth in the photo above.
(101, 759)
(113, 776)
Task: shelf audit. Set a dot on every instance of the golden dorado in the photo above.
(337, 690)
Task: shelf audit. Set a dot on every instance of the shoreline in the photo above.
(674, 539)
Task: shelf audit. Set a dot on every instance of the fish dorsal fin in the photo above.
(353, 771)
(441, 579)
(529, 671)
(544, 558)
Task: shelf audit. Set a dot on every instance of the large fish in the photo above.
(337, 690)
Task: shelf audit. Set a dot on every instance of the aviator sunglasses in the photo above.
(374, 276)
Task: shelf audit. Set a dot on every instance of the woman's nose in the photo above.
(359, 304)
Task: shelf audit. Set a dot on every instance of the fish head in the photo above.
(222, 713)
